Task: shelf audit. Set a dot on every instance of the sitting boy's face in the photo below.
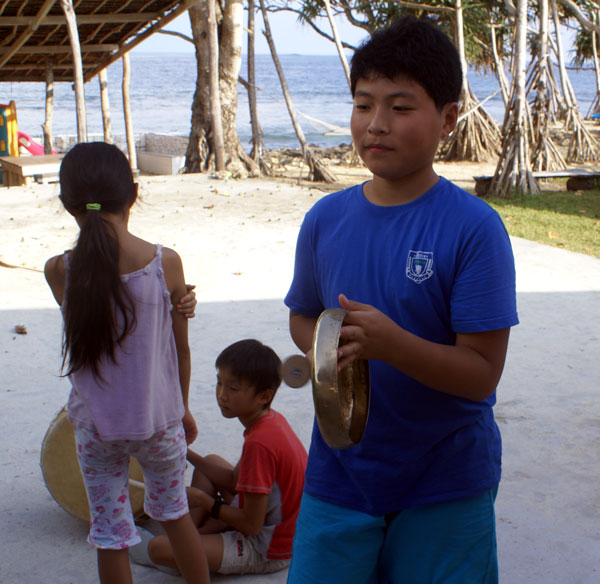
(396, 127)
(237, 398)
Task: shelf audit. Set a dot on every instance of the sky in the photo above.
(289, 36)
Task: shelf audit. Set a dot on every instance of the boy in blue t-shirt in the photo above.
(426, 273)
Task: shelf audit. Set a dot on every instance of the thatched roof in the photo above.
(33, 32)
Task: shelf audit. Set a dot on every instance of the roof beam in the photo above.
(57, 50)
(24, 36)
(163, 21)
(54, 19)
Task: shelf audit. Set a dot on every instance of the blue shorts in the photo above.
(446, 543)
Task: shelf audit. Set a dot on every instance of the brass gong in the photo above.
(341, 399)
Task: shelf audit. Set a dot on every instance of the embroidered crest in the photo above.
(419, 265)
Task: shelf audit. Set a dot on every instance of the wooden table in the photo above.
(20, 169)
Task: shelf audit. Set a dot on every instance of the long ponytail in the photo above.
(98, 312)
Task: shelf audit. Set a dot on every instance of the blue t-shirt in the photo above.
(439, 265)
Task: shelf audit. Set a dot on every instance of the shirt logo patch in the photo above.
(419, 265)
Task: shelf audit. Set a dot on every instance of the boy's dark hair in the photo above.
(98, 313)
(254, 363)
(415, 49)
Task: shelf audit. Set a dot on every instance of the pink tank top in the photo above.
(140, 394)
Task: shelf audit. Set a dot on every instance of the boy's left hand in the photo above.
(187, 305)
(189, 426)
(367, 332)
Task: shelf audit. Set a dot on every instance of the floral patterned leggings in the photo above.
(105, 469)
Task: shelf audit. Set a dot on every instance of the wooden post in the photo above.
(127, 113)
(213, 84)
(67, 6)
(47, 125)
(105, 106)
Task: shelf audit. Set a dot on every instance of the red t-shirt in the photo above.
(273, 462)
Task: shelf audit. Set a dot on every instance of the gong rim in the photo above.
(341, 399)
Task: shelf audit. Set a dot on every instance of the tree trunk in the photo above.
(338, 43)
(513, 171)
(317, 170)
(105, 106)
(199, 150)
(216, 122)
(200, 155)
(127, 112)
(257, 142)
(47, 125)
(502, 81)
(595, 109)
(238, 162)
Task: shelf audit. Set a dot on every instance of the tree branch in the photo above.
(580, 16)
(176, 34)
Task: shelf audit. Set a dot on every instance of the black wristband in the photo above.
(216, 507)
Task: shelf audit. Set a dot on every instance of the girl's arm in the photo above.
(249, 520)
(55, 274)
(174, 277)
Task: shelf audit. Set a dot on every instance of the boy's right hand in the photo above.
(367, 333)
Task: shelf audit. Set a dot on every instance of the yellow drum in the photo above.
(62, 476)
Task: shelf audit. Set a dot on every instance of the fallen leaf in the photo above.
(552, 235)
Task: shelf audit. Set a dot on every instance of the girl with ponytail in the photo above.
(126, 352)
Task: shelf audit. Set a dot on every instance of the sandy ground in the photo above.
(237, 242)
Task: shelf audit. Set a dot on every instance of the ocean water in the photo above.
(162, 89)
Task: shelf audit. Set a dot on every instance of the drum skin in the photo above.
(62, 476)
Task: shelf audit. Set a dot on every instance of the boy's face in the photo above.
(237, 398)
(396, 128)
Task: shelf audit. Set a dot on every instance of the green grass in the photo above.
(570, 220)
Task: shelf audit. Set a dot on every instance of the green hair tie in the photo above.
(93, 206)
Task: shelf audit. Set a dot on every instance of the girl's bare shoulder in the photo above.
(55, 273)
(173, 269)
(171, 259)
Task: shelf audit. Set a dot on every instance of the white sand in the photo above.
(237, 242)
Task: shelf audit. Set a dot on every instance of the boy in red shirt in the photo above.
(246, 513)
